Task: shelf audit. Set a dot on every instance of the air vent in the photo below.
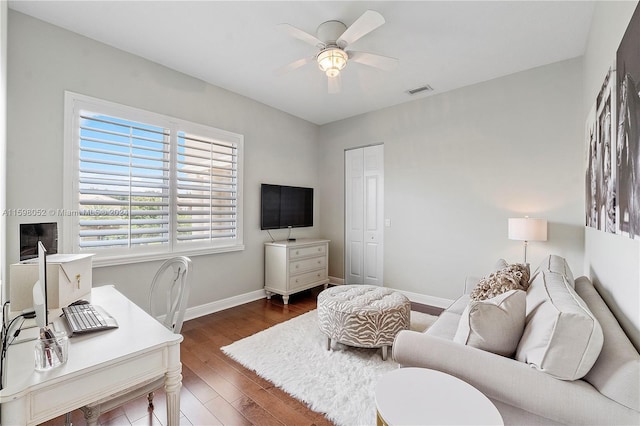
(425, 88)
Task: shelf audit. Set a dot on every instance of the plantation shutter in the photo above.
(207, 188)
(123, 182)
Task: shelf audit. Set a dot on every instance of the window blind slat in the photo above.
(202, 236)
(121, 222)
(108, 232)
(121, 164)
(122, 242)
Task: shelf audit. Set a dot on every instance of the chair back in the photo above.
(170, 287)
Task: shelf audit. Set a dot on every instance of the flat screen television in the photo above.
(285, 206)
(32, 233)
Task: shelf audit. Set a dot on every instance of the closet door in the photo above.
(364, 218)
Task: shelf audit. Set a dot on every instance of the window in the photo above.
(143, 185)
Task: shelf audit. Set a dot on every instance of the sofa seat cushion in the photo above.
(561, 335)
(494, 324)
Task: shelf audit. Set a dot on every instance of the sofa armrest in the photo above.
(511, 382)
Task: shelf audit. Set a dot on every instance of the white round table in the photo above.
(419, 396)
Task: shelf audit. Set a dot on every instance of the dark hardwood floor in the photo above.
(217, 390)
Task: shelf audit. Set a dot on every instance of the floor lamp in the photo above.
(527, 229)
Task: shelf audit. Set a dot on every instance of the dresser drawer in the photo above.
(294, 266)
(307, 278)
(298, 252)
(298, 266)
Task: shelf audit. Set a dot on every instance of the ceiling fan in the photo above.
(332, 38)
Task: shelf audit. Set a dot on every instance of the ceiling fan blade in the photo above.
(373, 60)
(294, 65)
(334, 84)
(367, 22)
(300, 35)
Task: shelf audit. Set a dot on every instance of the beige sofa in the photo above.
(537, 389)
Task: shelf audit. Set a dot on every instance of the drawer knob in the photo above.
(297, 251)
(319, 262)
(297, 266)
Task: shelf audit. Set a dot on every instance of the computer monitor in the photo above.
(31, 233)
(40, 289)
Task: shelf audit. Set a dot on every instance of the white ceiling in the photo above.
(235, 45)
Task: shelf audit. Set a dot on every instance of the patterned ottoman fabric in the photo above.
(363, 315)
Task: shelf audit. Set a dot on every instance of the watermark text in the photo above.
(63, 212)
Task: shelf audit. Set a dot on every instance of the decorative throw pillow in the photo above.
(513, 277)
(494, 325)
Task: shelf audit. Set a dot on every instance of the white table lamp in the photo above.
(527, 229)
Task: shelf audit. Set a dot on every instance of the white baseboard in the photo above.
(220, 305)
(424, 299)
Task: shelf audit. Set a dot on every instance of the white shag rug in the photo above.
(340, 383)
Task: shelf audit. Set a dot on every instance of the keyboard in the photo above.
(87, 318)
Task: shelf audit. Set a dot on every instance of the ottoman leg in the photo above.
(384, 353)
(328, 343)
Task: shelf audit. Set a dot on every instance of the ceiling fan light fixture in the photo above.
(332, 60)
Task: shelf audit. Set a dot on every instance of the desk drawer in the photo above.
(299, 266)
(299, 252)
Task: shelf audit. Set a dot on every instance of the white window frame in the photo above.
(74, 103)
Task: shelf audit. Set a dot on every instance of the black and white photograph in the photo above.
(628, 133)
(601, 175)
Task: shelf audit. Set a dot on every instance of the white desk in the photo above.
(99, 364)
(419, 396)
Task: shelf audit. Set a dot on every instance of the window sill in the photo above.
(99, 262)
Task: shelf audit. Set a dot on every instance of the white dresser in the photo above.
(293, 266)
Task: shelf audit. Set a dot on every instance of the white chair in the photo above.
(170, 287)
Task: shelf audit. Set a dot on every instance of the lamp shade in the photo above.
(527, 229)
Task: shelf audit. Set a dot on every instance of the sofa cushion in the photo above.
(445, 326)
(459, 305)
(494, 324)
(561, 335)
(512, 277)
(447, 323)
(558, 264)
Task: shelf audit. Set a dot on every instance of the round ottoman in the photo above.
(364, 316)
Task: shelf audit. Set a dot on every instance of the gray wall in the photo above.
(612, 261)
(457, 165)
(45, 60)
